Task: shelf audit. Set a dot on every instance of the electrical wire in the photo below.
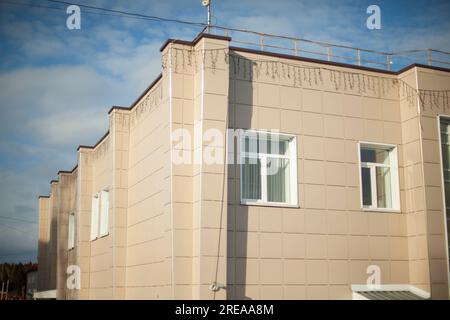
(27, 4)
(16, 254)
(132, 15)
(326, 44)
(13, 228)
(31, 5)
(17, 219)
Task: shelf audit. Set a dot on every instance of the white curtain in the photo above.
(261, 151)
(71, 232)
(384, 192)
(94, 217)
(278, 180)
(104, 213)
(251, 179)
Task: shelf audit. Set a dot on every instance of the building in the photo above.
(32, 281)
(358, 191)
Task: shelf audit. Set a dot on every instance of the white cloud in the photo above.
(69, 104)
(17, 201)
(48, 110)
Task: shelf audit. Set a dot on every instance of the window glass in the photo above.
(71, 232)
(445, 150)
(251, 143)
(278, 180)
(366, 186)
(384, 192)
(266, 143)
(444, 138)
(379, 177)
(375, 155)
(268, 165)
(94, 217)
(446, 156)
(104, 213)
(251, 179)
(447, 175)
(447, 193)
(274, 145)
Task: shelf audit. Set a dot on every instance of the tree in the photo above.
(17, 276)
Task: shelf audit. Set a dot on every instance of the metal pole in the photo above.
(359, 57)
(262, 42)
(388, 62)
(429, 57)
(209, 17)
(295, 48)
(7, 288)
(328, 54)
(3, 287)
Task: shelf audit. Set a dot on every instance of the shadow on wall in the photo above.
(47, 259)
(239, 117)
(42, 256)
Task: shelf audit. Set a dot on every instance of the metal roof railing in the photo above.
(333, 52)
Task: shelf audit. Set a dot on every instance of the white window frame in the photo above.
(440, 119)
(441, 131)
(95, 214)
(104, 213)
(393, 166)
(71, 232)
(292, 157)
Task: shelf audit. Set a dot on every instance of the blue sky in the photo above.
(56, 85)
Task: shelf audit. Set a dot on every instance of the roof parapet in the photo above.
(118, 108)
(93, 147)
(335, 64)
(68, 172)
(199, 37)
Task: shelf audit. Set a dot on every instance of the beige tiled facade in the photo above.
(176, 229)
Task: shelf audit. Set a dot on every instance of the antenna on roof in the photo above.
(207, 3)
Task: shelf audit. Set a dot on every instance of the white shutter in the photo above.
(71, 232)
(104, 213)
(94, 217)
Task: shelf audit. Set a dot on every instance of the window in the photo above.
(445, 152)
(71, 232)
(445, 145)
(100, 215)
(379, 177)
(268, 164)
(104, 213)
(94, 216)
